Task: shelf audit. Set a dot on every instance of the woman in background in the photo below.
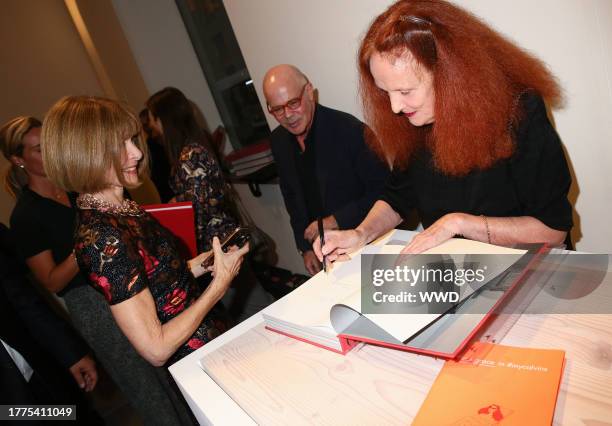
(43, 217)
(90, 148)
(42, 224)
(197, 177)
(195, 172)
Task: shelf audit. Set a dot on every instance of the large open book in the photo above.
(327, 310)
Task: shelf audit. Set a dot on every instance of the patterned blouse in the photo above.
(198, 179)
(124, 252)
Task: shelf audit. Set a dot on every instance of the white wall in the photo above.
(320, 37)
(269, 213)
(43, 59)
(164, 53)
(573, 36)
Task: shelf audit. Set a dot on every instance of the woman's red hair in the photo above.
(478, 76)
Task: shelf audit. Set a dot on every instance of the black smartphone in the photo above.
(239, 237)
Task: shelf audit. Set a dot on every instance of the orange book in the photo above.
(495, 385)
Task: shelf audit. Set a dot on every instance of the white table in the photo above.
(585, 396)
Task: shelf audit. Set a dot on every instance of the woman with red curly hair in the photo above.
(458, 111)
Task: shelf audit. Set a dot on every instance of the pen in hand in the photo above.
(322, 241)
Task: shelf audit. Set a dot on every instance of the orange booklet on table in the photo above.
(495, 385)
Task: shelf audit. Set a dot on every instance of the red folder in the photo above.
(179, 219)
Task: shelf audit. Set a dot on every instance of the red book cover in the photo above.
(248, 151)
(266, 159)
(179, 219)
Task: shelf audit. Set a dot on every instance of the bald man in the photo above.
(325, 168)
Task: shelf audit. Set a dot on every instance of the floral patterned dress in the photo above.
(198, 178)
(124, 252)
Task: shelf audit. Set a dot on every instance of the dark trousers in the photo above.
(53, 386)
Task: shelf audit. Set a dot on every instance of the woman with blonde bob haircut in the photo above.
(459, 111)
(42, 224)
(109, 125)
(127, 256)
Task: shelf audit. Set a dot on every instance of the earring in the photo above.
(21, 166)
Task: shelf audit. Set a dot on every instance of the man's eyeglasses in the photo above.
(291, 105)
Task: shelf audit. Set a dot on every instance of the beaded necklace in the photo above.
(126, 208)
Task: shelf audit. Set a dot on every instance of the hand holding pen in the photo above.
(322, 241)
(338, 245)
